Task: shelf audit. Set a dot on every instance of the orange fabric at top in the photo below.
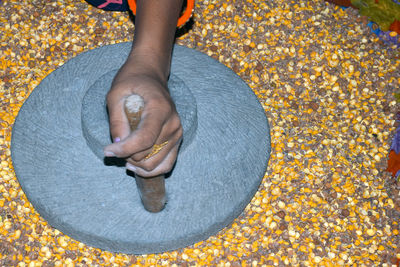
(182, 19)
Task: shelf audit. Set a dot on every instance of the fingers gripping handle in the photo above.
(152, 189)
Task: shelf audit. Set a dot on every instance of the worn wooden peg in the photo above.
(152, 189)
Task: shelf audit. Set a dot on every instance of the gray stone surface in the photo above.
(215, 176)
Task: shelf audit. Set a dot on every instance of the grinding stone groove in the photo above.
(214, 178)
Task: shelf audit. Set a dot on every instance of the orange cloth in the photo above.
(182, 19)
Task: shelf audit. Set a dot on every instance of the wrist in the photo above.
(148, 62)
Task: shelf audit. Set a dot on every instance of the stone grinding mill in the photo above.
(57, 153)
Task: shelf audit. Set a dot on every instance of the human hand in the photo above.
(159, 122)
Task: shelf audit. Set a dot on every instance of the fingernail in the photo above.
(109, 154)
(130, 167)
(116, 140)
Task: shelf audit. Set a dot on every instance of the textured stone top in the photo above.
(214, 178)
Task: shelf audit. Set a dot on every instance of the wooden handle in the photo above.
(152, 189)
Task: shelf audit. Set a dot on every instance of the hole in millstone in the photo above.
(113, 161)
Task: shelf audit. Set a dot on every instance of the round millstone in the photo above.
(216, 174)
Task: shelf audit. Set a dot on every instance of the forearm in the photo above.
(155, 28)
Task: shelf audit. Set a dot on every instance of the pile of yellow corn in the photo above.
(327, 87)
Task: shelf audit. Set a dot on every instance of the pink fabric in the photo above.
(110, 2)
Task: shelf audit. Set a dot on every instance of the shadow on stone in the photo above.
(114, 161)
(132, 174)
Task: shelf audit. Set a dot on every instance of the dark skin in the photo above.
(145, 73)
